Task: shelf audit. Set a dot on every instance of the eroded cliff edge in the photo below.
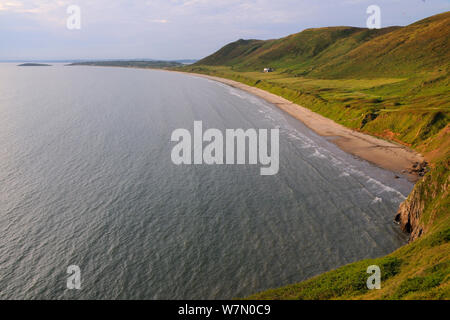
(417, 214)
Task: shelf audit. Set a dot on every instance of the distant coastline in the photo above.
(34, 65)
(143, 64)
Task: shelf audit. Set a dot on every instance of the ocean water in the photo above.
(86, 179)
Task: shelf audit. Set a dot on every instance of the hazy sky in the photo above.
(178, 29)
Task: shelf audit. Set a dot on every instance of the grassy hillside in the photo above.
(392, 83)
(341, 52)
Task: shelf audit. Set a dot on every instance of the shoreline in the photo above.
(385, 154)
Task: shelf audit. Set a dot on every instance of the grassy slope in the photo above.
(391, 83)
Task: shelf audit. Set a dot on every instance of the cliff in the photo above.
(418, 212)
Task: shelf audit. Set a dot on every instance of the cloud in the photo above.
(10, 5)
(159, 21)
(32, 6)
(180, 28)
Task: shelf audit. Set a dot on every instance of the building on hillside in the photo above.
(268, 70)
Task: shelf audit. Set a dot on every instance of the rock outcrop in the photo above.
(410, 211)
(408, 215)
(420, 203)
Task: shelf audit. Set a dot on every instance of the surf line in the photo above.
(238, 144)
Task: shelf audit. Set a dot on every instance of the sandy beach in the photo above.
(385, 154)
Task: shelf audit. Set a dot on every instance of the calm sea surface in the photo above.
(86, 179)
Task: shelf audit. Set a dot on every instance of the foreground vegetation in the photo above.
(392, 83)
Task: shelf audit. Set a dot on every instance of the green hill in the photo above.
(345, 51)
(392, 83)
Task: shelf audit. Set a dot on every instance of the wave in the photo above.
(292, 133)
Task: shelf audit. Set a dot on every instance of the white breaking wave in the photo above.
(377, 200)
(343, 165)
(385, 188)
(245, 96)
(319, 152)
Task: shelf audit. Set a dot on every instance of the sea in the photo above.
(87, 180)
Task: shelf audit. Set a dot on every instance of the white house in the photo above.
(268, 70)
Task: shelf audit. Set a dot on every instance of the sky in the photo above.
(177, 29)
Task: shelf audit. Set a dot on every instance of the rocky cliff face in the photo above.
(424, 203)
(409, 213)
